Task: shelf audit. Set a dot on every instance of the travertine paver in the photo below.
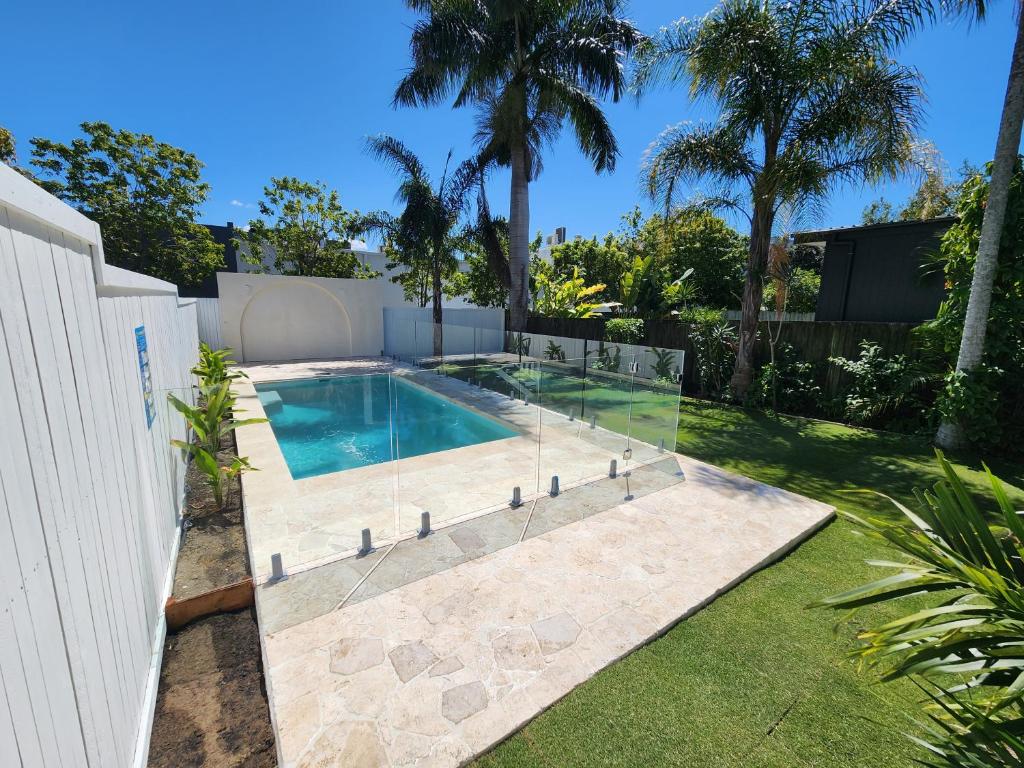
(318, 520)
(516, 629)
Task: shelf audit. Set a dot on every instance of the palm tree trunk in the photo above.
(435, 269)
(972, 342)
(757, 260)
(519, 241)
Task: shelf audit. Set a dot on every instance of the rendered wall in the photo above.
(271, 317)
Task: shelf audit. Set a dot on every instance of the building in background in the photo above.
(883, 273)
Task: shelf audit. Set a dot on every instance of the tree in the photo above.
(530, 66)
(481, 283)
(424, 233)
(144, 194)
(7, 153)
(986, 402)
(972, 340)
(808, 98)
(692, 238)
(598, 262)
(307, 232)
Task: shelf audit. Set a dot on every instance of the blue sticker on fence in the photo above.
(147, 378)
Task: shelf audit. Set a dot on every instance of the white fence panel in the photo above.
(90, 491)
(208, 316)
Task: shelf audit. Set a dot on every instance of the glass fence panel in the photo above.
(655, 403)
(326, 481)
(466, 437)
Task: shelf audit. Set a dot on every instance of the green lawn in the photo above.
(756, 679)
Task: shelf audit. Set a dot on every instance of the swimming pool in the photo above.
(333, 424)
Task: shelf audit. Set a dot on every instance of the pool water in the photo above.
(334, 424)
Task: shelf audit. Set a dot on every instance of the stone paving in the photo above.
(437, 670)
(428, 652)
(317, 520)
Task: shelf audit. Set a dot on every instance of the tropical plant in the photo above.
(639, 291)
(213, 419)
(529, 66)
(714, 345)
(425, 232)
(808, 98)
(664, 360)
(626, 330)
(788, 384)
(305, 232)
(608, 358)
(568, 297)
(218, 476)
(518, 344)
(989, 392)
(144, 194)
(554, 351)
(881, 389)
(969, 642)
(214, 366)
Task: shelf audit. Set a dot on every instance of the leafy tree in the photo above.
(1004, 164)
(598, 262)
(7, 153)
(305, 229)
(424, 233)
(144, 194)
(478, 284)
(691, 238)
(530, 66)
(985, 402)
(808, 97)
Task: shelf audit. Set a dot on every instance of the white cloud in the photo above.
(239, 204)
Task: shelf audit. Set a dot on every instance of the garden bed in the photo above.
(213, 553)
(212, 707)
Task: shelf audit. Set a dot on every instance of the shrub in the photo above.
(886, 391)
(608, 358)
(554, 351)
(789, 385)
(714, 342)
(625, 330)
(664, 362)
(968, 398)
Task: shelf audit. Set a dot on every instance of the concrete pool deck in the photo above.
(429, 652)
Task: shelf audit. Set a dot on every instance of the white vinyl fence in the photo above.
(208, 316)
(90, 492)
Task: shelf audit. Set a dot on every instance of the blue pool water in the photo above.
(333, 424)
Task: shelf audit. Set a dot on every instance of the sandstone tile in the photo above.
(464, 700)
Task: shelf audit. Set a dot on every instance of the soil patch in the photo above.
(212, 704)
(213, 553)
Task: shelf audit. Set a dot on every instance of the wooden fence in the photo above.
(90, 491)
(815, 342)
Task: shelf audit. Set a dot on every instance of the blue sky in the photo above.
(259, 89)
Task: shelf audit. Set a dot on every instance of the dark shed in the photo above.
(880, 272)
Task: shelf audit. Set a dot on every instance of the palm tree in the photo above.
(808, 98)
(972, 341)
(530, 65)
(424, 231)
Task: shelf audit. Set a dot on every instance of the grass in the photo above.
(756, 679)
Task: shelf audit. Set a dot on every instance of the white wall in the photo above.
(90, 495)
(272, 317)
